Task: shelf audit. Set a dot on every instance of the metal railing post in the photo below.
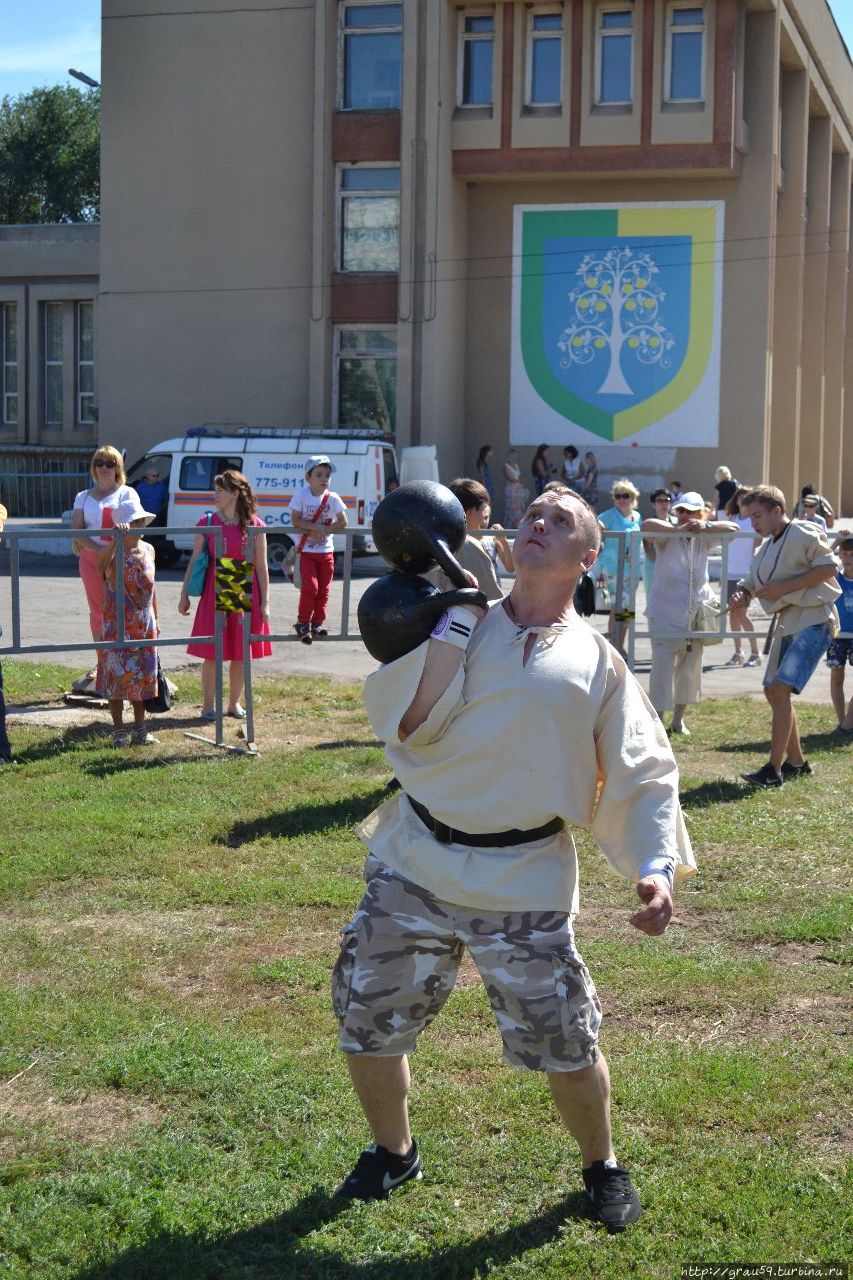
(633, 583)
(620, 584)
(347, 583)
(15, 569)
(118, 565)
(218, 645)
(247, 645)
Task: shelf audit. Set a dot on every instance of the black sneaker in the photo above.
(378, 1171)
(790, 771)
(766, 776)
(613, 1200)
(318, 632)
(303, 630)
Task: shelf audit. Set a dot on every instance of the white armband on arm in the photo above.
(455, 626)
(662, 865)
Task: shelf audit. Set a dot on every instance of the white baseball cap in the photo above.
(318, 460)
(691, 501)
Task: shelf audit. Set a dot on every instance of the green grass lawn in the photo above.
(172, 1104)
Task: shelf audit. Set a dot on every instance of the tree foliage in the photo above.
(50, 156)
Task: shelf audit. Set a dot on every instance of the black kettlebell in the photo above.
(419, 525)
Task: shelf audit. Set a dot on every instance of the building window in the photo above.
(369, 218)
(544, 58)
(10, 363)
(614, 56)
(85, 327)
(685, 53)
(366, 378)
(371, 56)
(477, 42)
(53, 364)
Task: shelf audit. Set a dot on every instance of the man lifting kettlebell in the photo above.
(505, 728)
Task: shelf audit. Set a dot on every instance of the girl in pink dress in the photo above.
(235, 511)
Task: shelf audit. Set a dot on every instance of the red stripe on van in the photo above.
(199, 498)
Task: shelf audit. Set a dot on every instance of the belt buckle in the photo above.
(442, 833)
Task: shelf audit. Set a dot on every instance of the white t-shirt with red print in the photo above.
(305, 504)
(98, 513)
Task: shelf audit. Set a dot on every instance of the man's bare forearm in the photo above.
(441, 665)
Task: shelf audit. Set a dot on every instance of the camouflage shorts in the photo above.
(400, 955)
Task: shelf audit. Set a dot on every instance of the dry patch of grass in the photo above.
(99, 1117)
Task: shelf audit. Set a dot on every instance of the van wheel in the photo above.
(278, 546)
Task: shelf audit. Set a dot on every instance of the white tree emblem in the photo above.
(616, 305)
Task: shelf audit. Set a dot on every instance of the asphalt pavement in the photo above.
(53, 611)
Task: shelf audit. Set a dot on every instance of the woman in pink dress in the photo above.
(235, 511)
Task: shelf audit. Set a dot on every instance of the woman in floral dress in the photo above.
(515, 494)
(129, 675)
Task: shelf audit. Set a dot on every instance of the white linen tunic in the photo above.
(571, 734)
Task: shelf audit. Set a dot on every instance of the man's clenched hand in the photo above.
(655, 916)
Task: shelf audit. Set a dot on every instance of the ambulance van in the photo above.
(273, 461)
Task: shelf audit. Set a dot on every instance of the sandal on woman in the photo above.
(239, 713)
(142, 738)
(736, 660)
(754, 660)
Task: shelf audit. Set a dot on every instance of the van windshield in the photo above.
(159, 462)
(390, 467)
(197, 471)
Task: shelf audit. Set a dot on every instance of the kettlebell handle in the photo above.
(460, 595)
(447, 562)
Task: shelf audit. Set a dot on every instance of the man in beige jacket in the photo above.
(504, 731)
(793, 577)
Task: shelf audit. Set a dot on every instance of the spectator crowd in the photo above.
(669, 552)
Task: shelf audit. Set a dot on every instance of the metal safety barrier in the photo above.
(627, 582)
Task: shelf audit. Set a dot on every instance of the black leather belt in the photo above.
(483, 839)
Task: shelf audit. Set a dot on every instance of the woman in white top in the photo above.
(741, 551)
(680, 585)
(94, 509)
(572, 468)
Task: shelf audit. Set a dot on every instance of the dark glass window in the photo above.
(478, 40)
(372, 56)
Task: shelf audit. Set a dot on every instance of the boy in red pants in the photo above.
(317, 513)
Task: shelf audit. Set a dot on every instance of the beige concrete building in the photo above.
(308, 218)
(48, 308)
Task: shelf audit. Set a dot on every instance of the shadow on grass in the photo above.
(270, 1251)
(99, 734)
(718, 791)
(84, 735)
(346, 742)
(304, 819)
(128, 759)
(824, 741)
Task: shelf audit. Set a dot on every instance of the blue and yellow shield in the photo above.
(618, 311)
